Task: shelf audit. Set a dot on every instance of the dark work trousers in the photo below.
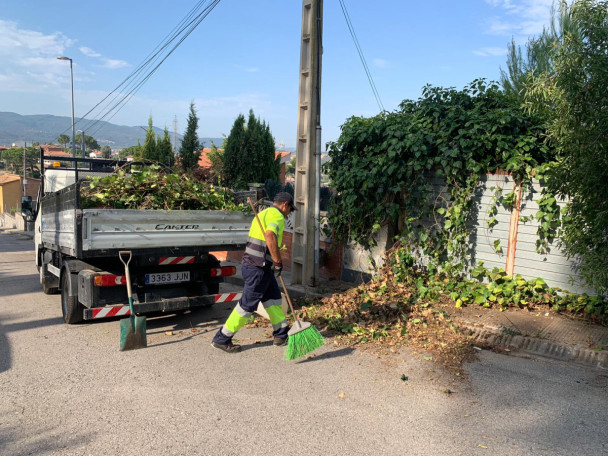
(259, 285)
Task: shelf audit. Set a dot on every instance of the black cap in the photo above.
(285, 197)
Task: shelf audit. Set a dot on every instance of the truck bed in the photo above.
(103, 229)
(101, 232)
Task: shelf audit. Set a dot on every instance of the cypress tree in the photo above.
(249, 154)
(191, 147)
(233, 152)
(149, 151)
(165, 149)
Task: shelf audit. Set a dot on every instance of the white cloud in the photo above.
(28, 59)
(519, 17)
(113, 63)
(89, 52)
(380, 63)
(491, 51)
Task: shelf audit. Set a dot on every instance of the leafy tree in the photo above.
(106, 151)
(216, 157)
(578, 119)
(290, 169)
(540, 53)
(249, 153)
(63, 140)
(381, 167)
(149, 150)
(14, 158)
(90, 143)
(165, 148)
(190, 149)
(134, 151)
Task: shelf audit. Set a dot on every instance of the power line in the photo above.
(366, 68)
(112, 103)
(184, 32)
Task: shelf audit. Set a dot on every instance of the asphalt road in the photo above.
(68, 390)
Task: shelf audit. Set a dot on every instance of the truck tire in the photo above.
(70, 307)
(47, 290)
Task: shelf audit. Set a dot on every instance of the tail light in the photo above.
(223, 271)
(109, 280)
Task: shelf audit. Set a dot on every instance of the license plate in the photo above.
(161, 278)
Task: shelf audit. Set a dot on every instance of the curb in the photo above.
(540, 347)
(23, 234)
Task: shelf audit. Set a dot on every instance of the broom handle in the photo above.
(280, 277)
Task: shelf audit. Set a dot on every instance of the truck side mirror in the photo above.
(27, 209)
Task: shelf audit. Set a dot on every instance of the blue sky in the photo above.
(246, 54)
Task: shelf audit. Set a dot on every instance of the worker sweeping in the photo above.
(260, 266)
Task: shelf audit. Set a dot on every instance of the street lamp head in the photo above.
(64, 58)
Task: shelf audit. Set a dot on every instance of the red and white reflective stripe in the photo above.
(107, 312)
(228, 297)
(176, 260)
(119, 311)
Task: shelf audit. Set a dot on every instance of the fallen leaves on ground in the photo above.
(386, 314)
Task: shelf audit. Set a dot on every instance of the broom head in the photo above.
(303, 339)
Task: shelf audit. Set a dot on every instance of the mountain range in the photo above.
(45, 128)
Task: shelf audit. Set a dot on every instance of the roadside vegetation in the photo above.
(546, 123)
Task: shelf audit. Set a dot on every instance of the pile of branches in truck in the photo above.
(153, 188)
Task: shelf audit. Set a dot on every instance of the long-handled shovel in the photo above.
(132, 329)
(303, 337)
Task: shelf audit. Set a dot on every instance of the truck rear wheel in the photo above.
(70, 307)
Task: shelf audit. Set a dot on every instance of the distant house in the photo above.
(203, 158)
(205, 163)
(285, 158)
(11, 190)
(51, 149)
(10, 193)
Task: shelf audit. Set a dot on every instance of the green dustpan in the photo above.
(132, 329)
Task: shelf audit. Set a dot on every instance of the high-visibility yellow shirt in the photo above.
(256, 251)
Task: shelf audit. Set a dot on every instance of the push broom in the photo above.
(303, 337)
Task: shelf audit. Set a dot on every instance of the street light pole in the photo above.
(83, 143)
(73, 125)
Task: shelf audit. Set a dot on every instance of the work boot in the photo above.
(279, 342)
(228, 348)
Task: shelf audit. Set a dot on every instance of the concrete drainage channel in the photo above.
(540, 347)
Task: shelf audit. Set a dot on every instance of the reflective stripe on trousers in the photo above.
(237, 319)
(277, 317)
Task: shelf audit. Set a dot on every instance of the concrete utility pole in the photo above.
(305, 244)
